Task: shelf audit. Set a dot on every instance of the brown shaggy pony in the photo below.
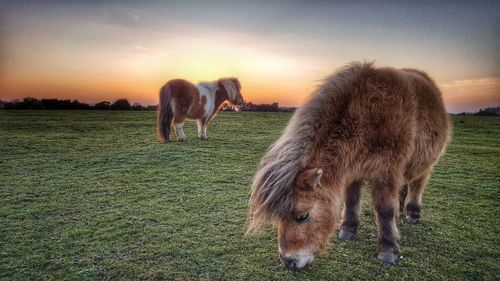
(180, 99)
(385, 127)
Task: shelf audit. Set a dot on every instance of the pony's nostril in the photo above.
(284, 260)
(288, 262)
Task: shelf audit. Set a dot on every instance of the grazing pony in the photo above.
(385, 127)
(181, 99)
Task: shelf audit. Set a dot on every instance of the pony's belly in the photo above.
(197, 112)
(206, 106)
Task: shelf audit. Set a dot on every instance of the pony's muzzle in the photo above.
(288, 262)
(296, 263)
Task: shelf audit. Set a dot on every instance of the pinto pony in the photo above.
(384, 127)
(180, 99)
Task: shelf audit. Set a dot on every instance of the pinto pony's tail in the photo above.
(165, 114)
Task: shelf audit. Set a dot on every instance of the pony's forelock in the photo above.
(272, 188)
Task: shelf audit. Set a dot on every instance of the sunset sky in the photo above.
(104, 50)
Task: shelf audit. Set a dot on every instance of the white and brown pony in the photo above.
(181, 99)
(383, 127)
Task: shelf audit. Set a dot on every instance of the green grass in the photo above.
(88, 195)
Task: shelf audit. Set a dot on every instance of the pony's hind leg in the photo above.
(180, 132)
(352, 209)
(386, 202)
(179, 123)
(413, 201)
(402, 197)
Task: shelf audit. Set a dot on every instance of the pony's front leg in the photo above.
(351, 214)
(202, 129)
(385, 197)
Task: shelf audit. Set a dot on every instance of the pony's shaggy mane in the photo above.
(272, 188)
(232, 87)
(233, 79)
(230, 84)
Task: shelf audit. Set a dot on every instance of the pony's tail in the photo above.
(165, 114)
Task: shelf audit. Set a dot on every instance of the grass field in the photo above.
(88, 195)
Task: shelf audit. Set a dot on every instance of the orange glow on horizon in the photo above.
(94, 51)
(266, 77)
(456, 94)
(138, 72)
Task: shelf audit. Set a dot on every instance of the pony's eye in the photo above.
(302, 218)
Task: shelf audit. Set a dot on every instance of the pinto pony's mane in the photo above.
(272, 188)
(231, 86)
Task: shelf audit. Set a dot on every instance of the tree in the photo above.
(138, 106)
(30, 103)
(103, 105)
(121, 104)
(489, 111)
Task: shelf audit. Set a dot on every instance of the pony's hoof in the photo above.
(411, 220)
(388, 258)
(183, 140)
(203, 138)
(345, 235)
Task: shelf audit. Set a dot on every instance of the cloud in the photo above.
(481, 82)
(122, 16)
(471, 94)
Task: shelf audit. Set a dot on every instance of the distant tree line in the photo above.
(34, 103)
(120, 104)
(273, 107)
(124, 104)
(249, 106)
(488, 111)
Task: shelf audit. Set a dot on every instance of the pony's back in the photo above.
(382, 118)
(432, 123)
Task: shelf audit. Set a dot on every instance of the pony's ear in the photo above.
(312, 177)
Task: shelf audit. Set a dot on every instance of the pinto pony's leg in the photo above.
(386, 202)
(413, 201)
(179, 131)
(202, 129)
(179, 123)
(351, 214)
(199, 125)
